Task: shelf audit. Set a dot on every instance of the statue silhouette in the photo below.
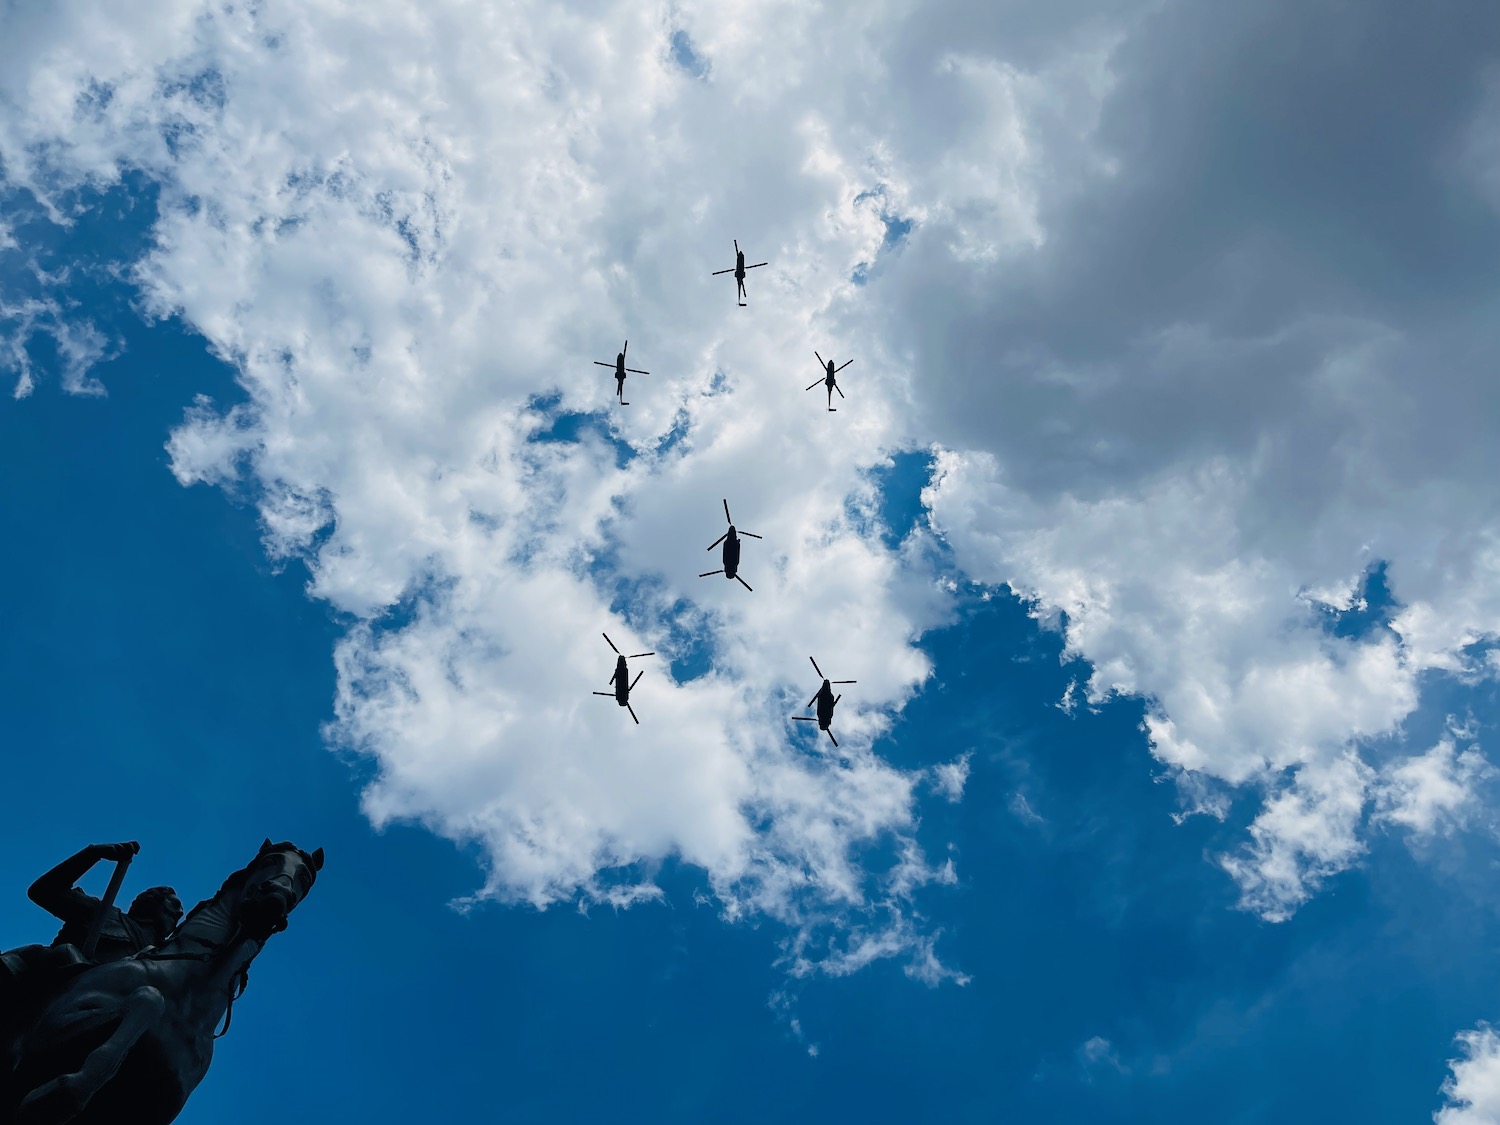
(93, 932)
(130, 1038)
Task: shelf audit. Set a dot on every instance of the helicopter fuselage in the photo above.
(621, 680)
(826, 701)
(731, 554)
(620, 366)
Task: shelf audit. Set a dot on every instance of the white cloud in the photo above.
(1097, 1054)
(949, 778)
(1021, 808)
(1473, 1090)
(80, 345)
(402, 226)
(1162, 423)
(1306, 832)
(1184, 425)
(1433, 793)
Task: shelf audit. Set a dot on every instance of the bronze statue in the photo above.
(126, 1033)
(93, 932)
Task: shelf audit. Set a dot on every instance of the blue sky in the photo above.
(1199, 827)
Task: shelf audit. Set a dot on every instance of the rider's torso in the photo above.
(120, 937)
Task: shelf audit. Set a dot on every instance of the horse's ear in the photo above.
(264, 848)
(317, 858)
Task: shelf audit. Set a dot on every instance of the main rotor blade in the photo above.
(811, 701)
(752, 535)
(601, 363)
(757, 265)
(631, 709)
(717, 541)
(802, 719)
(840, 390)
(809, 387)
(716, 273)
(626, 348)
(843, 681)
(745, 584)
(609, 642)
(636, 370)
(820, 358)
(606, 694)
(831, 739)
(633, 655)
(727, 517)
(841, 366)
(816, 669)
(706, 573)
(736, 245)
(836, 698)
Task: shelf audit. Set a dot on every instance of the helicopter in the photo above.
(731, 541)
(621, 679)
(620, 369)
(825, 699)
(739, 271)
(829, 371)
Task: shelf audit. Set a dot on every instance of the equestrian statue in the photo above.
(114, 1021)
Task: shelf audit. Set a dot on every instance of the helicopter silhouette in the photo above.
(829, 371)
(620, 369)
(825, 699)
(621, 679)
(739, 271)
(731, 541)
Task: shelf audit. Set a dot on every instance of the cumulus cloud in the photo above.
(1183, 387)
(1228, 381)
(412, 233)
(1473, 1089)
(1433, 793)
(949, 778)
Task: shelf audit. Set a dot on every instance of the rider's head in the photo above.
(157, 907)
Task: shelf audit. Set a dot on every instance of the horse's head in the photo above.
(277, 879)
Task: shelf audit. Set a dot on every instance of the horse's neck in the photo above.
(212, 931)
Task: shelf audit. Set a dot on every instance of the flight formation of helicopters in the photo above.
(738, 269)
(621, 682)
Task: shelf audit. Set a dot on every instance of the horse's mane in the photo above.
(238, 878)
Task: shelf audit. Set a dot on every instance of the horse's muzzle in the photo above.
(266, 911)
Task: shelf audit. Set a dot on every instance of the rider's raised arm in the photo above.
(55, 893)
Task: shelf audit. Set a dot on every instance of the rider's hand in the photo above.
(115, 851)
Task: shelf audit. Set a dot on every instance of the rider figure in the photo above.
(151, 917)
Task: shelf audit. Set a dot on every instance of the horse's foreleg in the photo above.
(63, 1098)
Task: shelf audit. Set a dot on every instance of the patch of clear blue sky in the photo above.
(575, 426)
(896, 230)
(686, 56)
(159, 681)
(900, 487)
(1373, 610)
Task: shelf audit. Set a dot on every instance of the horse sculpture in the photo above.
(129, 1041)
